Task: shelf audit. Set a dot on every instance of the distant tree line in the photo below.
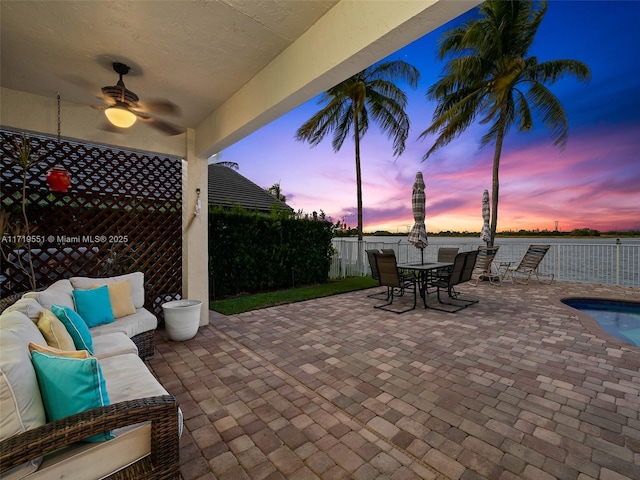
(576, 232)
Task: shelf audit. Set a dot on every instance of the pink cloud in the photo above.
(592, 183)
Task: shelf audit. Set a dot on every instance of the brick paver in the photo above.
(516, 386)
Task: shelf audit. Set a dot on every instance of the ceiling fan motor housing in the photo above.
(121, 94)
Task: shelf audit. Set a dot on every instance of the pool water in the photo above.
(619, 319)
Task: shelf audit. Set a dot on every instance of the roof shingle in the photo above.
(227, 188)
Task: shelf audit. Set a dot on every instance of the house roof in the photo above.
(228, 188)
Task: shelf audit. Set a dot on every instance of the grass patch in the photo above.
(245, 303)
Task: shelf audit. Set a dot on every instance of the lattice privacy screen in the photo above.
(122, 213)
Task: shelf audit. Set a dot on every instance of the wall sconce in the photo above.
(198, 203)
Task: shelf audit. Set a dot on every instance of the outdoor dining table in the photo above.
(424, 272)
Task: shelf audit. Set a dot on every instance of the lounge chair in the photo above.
(528, 266)
(484, 269)
(462, 270)
(389, 276)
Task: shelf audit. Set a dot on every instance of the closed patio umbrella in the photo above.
(418, 234)
(485, 235)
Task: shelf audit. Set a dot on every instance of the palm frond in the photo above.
(552, 71)
(553, 115)
(393, 71)
(525, 120)
(324, 121)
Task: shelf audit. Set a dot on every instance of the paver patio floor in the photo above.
(516, 386)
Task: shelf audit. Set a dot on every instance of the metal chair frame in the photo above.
(389, 276)
(374, 270)
(461, 272)
(445, 254)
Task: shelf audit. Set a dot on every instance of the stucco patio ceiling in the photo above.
(211, 58)
(196, 54)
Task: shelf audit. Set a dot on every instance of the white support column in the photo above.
(195, 229)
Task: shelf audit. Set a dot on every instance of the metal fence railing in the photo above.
(609, 264)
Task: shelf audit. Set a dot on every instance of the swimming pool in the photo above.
(617, 318)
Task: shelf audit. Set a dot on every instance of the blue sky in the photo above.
(593, 182)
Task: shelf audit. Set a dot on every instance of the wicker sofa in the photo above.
(139, 327)
(143, 419)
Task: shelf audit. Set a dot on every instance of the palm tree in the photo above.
(489, 75)
(349, 104)
(276, 191)
(216, 159)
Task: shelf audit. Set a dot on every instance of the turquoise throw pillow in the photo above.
(69, 386)
(94, 306)
(76, 327)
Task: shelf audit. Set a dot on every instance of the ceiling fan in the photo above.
(124, 109)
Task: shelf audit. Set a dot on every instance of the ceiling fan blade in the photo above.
(82, 84)
(160, 106)
(110, 101)
(160, 125)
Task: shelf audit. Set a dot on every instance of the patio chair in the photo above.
(484, 269)
(461, 272)
(374, 269)
(447, 254)
(528, 266)
(389, 276)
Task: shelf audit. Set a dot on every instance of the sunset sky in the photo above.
(594, 182)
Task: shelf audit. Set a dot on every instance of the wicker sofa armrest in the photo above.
(161, 411)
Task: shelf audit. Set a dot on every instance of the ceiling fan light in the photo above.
(120, 117)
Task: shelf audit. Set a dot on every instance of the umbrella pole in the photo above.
(422, 256)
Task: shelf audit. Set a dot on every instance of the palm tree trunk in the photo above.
(495, 181)
(356, 135)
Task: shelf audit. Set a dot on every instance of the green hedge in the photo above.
(251, 252)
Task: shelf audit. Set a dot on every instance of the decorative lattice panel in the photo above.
(122, 213)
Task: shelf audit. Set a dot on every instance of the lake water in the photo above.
(433, 240)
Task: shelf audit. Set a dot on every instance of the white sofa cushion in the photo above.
(128, 378)
(112, 344)
(21, 405)
(131, 325)
(136, 279)
(58, 293)
(28, 306)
